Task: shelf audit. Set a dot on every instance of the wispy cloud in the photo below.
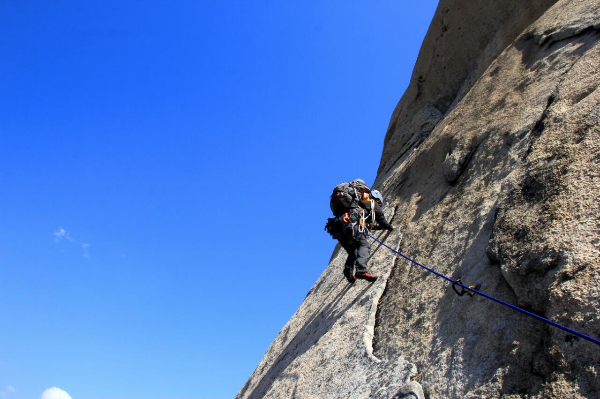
(85, 247)
(7, 391)
(62, 234)
(55, 393)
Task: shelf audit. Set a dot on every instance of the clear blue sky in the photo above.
(166, 169)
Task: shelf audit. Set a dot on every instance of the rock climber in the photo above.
(356, 209)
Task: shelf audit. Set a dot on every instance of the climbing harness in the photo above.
(362, 221)
(471, 290)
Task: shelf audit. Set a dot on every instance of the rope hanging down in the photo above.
(473, 290)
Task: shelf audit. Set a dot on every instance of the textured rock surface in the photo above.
(464, 38)
(326, 350)
(492, 160)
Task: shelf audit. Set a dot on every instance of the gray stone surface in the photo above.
(464, 38)
(505, 193)
(492, 163)
(326, 349)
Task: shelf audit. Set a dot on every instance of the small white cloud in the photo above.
(55, 393)
(64, 234)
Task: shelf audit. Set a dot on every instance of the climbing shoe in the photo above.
(349, 276)
(366, 276)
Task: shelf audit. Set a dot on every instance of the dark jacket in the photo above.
(379, 216)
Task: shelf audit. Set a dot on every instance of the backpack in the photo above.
(333, 227)
(347, 196)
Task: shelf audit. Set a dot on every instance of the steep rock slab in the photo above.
(493, 164)
(464, 38)
(505, 192)
(325, 350)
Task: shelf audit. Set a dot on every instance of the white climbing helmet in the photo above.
(376, 194)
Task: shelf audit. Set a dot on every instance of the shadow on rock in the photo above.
(317, 325)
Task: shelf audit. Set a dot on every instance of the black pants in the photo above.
(357, 245)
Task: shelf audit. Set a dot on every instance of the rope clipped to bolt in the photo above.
(471, 290)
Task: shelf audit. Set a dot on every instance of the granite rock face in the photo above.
(492, 166)
(326, 349)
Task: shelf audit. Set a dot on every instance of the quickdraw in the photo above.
(463, 290)
(473, 290)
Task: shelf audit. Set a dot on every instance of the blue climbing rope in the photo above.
(469, 289)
